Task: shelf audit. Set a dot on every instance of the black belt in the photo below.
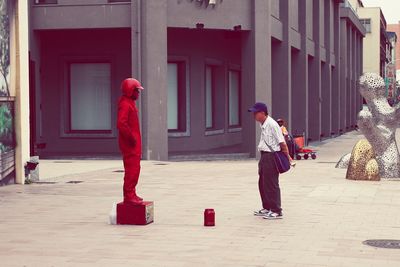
(265, 152)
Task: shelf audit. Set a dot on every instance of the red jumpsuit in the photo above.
(129, 138)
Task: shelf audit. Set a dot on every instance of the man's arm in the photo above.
(281, 140)
(122, 123)
(285, 149)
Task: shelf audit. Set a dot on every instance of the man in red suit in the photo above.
(129, 138)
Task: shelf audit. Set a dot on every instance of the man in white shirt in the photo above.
(271, 140)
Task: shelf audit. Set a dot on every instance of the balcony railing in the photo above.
(7, 141)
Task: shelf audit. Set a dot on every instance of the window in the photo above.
(367, 24)
(172, 96)
(234, 98)
(176, 97)
(209, 97)
(90, 97)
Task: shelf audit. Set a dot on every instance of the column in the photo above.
(281, 69)
(314, 80)
(299, 74)
(20, 48)
(149, 64)
(256, 71)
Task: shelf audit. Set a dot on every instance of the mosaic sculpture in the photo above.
(362, 165)
(378, 123)
(343, 163)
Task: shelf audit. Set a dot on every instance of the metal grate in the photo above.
(43, 182)
(383, 243)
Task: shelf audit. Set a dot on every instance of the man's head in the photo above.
(260, 111)
(131, 88)
(280, 122)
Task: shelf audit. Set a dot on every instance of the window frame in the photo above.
(183, 85)
(213, 96)
(215, 64)
(363, 22)
(65, 107)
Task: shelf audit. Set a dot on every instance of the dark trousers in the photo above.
(268, 183)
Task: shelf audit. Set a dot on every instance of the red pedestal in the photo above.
(136, 214)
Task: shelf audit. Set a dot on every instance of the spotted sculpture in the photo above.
(378, 123)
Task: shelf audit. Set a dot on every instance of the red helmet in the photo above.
(129, 85)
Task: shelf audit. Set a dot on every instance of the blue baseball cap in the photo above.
(259, 107)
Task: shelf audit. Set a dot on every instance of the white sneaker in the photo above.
(273, 216)
(263, 212)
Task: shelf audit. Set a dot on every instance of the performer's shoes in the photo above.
(134, 200)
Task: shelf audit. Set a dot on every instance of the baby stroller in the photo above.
(300, 150)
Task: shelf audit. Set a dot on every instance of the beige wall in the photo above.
(20, 85)
(396, 28)
(371, 53)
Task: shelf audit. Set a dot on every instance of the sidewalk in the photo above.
(326, 218)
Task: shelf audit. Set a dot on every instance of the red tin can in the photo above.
(209, 217)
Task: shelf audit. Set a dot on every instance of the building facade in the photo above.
(395, 28)
(203, 63)
(376, 41)
(391, 83)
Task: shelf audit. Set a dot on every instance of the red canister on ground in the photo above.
(209, 217)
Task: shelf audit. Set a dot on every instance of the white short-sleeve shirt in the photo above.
(272, 134)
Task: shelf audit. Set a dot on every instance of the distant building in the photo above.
(376, 42)
(390, 71)
(396, 29)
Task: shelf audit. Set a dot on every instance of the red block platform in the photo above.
(136, 214)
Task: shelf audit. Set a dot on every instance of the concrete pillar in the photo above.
(299, 73)
(281, 69)
(256, 58)
(355, 78)
(350, 78)
(20, 81)
(326, 79)
(149, 42)
(336, 72)
(314, 80)
(343, 75)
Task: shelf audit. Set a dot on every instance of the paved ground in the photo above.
(326, 218)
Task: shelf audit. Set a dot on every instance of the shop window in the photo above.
(89, 97)
(176, 114)
(234, 98)
(210, 96)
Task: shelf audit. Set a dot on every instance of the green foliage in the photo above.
(6, 127)
(5, 45)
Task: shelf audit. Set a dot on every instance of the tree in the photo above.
(5, 43)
